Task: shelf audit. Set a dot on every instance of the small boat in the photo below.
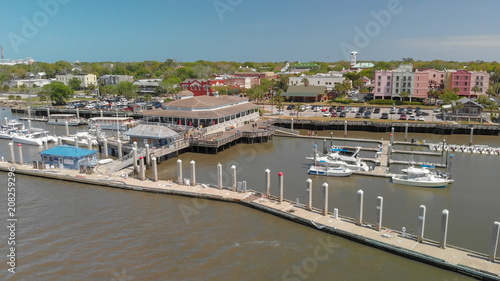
(61, 119)
(422, 177)
(341, 171)
(112, 123)
(12, 128)
(340, 157)
(105, 161)
(84, 137)
(35, 137)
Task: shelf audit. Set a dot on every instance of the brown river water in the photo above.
(70, 231)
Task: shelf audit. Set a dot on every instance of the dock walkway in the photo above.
(451, 258)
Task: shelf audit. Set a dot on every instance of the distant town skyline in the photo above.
(244, 30)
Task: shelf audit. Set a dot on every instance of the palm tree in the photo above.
(404, 95)
(456, 107)
(475, 89)
(305, 81)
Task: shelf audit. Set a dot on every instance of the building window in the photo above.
(480, 90)
(397, 91)
(466, 77)
(465, 83)
(456, 83)
(404, 84)
(387, 90)
(442, 75)
(418, 84)
(465, 89)
(388, 84)
(378, 90)
(433, 75)
(457, 77)
(397, 84)
(318, 82)
(380, 78)
(482, 77)
(378, 83)
(397, 78)
(51, 159)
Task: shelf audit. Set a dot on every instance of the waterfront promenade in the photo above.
(450, 258)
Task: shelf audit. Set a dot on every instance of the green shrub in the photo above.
(11, 97)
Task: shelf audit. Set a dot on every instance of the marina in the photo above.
(417, 247)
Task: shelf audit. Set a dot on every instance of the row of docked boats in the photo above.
(15, 131)
(105, 123)
(479, 149)
(342, 162)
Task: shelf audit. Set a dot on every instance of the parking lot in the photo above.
(352, 112)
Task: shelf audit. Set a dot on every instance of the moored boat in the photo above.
(112, 123)
(61, 119)
(35, 137)
(341, 171)
(421, 177)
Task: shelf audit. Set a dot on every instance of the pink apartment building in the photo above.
(383, 84)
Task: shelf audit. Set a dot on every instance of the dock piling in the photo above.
(155, 169)
(268, 182)
(46, 143)
(148, 162)
(66, 126)
(280, 178)
(6, 121)
(331, 139)
(359, 213)
(219, 176)
(380, 208)
(335, 213)
(291, 125)
(345, 129)
(233, 169)
(309, 190)
(421, 224)
(29, 112)
(89, 143)
(325, 195)
(179, 171)
(101, 113)
(324, 146)
(135, 145)
(48, 112)
(77, 113)
(29, 124)
(76, 141)
(59, 141)
(444, 228)
(406, 132)
(494, 241)
(471, 135)
(142, 172)
(20, 154)
(134, 155)
(244, 186)
(12, 156)
(105, 148)
(193, 173)
(120, 152)
(392, 136)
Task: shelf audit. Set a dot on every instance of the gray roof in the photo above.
(306, 89)
(151, 131)
(465, 100)
(202, 114)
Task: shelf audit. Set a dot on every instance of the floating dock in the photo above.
(418, 248)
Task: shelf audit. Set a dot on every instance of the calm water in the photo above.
(70, 231)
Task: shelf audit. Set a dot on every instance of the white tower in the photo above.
(354, 54)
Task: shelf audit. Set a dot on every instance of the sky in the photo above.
(249, 30)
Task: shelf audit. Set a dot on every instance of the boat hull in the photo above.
(330, 172)
(412, 182)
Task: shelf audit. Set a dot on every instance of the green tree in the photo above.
(148, 97)
(127, 89)
(475, 89)
(433, 94)
(108, 90)
(403, 95)
(456, 107)
(167, 85)
(59, 92)
(305, 81)
(6, 88)
(448, 96)
(11, 97)
(358, 83)
(74, 83)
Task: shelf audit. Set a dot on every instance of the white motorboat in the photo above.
(12, 128)
(422, 177)
(35, 137)
(340, 157)
(84, 137)
(61, 119)
(341, 171)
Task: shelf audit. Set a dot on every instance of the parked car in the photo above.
(385, 115)
(290, 107)
(334, 114)
(326, 114)
(354, 109)
(412, 118)
(402, 116)
(401, 110)
(392, 110)
(318, 108)
(376, 110)
(358, 115)
(437, 110)
(343, 114)
(362, 109)
(409, 110)
(367, 115)
(324, 109)
(280, 111)
(308, 106)
(421, 118)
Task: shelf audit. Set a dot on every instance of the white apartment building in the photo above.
(87, 79)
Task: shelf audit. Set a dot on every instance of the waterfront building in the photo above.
(469, 110)
(203, 111)
(305, 93)
(201, 87)
(87, 79)
(115, 79)
(465, 81)
(241, 82)
(153, 135)
(328, 81)
(69, 157)
(147, 86)
(184, 94)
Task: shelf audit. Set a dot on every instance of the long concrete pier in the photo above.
(440, 254)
